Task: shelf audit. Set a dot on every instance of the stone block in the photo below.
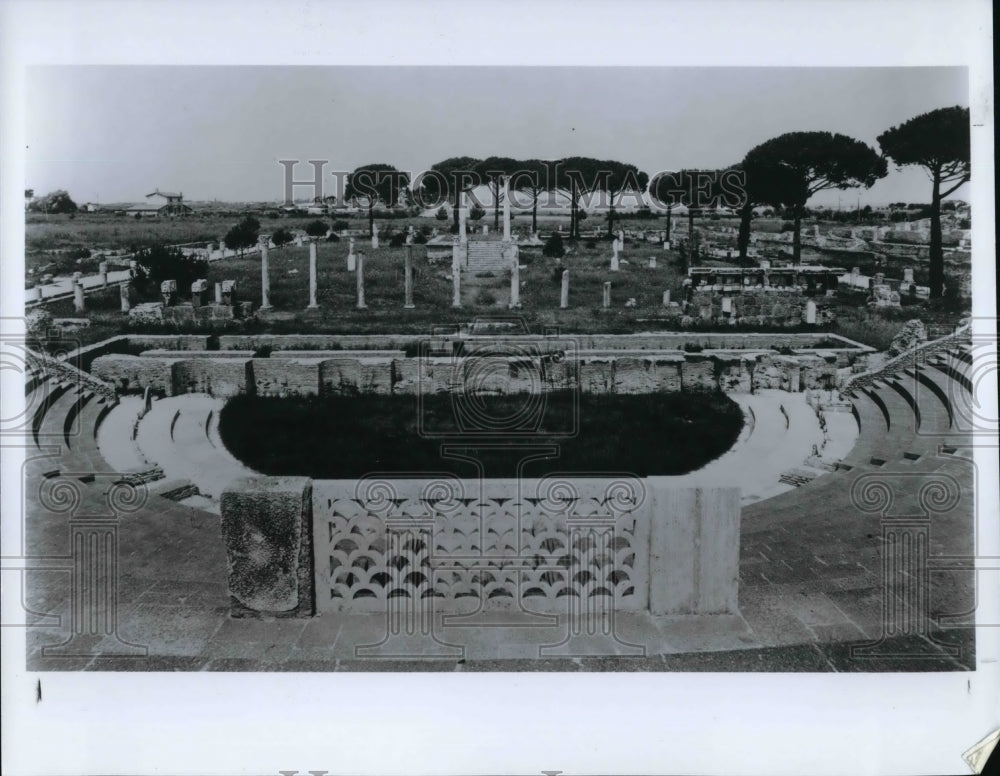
(267, 530)
(694, 550)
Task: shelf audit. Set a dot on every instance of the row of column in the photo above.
(355, 264)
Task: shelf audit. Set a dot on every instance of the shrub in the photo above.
(264, 351)
(554, 248)
(442, 214)
(340, 225)
(476, 213)
(486, 298)
(397, 240)
(333, 237)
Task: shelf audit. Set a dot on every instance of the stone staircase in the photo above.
(486, 256)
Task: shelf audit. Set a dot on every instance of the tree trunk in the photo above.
(797, 237)
(572, 209)
(743, 238)
(936, 252)
(496, 206)
(669, 219)
(371, 220)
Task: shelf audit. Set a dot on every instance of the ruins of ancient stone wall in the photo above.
(222, 375)
(132, 374)
(215, 376)
(286, 376)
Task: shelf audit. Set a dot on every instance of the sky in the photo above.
(114, 134)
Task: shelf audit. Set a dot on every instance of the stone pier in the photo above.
(408, 278)
(456, 284)
(102, 273)
(614, 255)
(198, 289)
(312, 275)
(360, 281)
(606, 301)
(123, 291)
(564, 293)
(515, 284)
(79, 305)
(352, 262)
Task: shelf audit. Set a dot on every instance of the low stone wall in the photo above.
(577, 546)
(226, 375)
(216, 376)
(133, 374)
(770, 308)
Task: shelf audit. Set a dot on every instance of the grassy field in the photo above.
(341, 436)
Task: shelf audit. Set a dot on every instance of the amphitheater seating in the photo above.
(906, 423)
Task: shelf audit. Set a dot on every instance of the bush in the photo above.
(397, 240)
(340, 225)
(476, 213)
(420, 238)
(264, 351)
(442, 214)
(557, 273)
(333, 237)
(486, 299)
(554, 247)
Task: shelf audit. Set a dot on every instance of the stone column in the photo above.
(360, 281)
(265, 279)
(102, 273)
(614, 255)
(408, 279)
(506, 209)
(666, 298)
(312, 275)
(218, 293)
(123, 291)
(606, 302)
(351, 260)
(79, 305)
(456, 284)
(515, 284)
(564, 293)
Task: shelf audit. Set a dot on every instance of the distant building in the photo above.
(163, 203)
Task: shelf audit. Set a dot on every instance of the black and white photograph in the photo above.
(348, 371)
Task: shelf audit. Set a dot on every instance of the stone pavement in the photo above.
(810, 590)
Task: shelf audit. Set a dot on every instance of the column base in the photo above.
(409, 306)
(361, 307)
(265, 307)
(312, 307)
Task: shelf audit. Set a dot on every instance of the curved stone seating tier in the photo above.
(831, 496)
(931, 409)
(872, 429)
(180, 434)
(955, 369)
(48, 393)
(115, 436)
(931, 382)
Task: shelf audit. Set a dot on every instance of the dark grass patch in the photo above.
(349, 436)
